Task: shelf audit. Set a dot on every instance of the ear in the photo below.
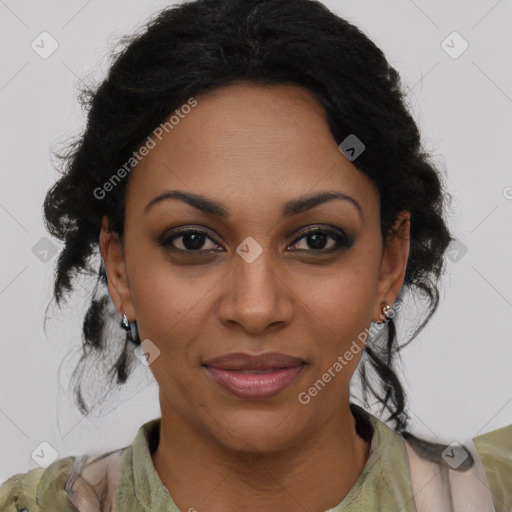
(393, 264)
(112, 252)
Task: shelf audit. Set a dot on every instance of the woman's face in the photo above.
(253, 280)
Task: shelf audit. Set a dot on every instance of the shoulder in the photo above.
(39, 489)
(495, 451)
(478, 472)
(71, 484)
(84, 483)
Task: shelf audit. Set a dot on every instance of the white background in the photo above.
(457, 372)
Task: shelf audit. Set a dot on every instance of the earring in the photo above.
(386, 309)
(125, 324)
(132, 331)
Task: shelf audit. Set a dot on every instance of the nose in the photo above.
(256, 297)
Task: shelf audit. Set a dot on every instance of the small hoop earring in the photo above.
(132, 331)
(125, 324)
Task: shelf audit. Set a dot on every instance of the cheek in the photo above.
(162, 293)
(339, 306)
(167, 309)
(166, 300)
(344, 294)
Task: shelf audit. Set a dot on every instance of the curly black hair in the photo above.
(199, 45)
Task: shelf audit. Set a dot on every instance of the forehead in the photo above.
(249, 144)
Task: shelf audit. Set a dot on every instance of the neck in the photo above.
(315, 473)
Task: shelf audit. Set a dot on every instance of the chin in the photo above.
(256, 431)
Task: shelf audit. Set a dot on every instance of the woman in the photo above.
(258, 195)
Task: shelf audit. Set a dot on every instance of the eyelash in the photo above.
(342, 241)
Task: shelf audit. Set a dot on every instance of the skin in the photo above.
(253, 148)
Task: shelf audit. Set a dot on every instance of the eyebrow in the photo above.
(292, 207)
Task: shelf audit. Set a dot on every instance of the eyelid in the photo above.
(312, 228)
(340, 237)
(172, 234)
(337, 234)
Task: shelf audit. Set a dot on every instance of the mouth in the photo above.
(255, 377)
(256, 384)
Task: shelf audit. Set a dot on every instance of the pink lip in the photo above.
(244, 361)
(255, 386)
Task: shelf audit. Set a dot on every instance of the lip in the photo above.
(243, 361)
(255, 386)
(255, 377)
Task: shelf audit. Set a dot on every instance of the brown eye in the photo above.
(189, 240)
(318, 238)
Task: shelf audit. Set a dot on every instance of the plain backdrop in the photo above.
(457, 373)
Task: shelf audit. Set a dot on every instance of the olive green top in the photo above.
(383, 485)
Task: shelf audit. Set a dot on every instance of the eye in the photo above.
(318, 238)
(188, 240)
(194, 240)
